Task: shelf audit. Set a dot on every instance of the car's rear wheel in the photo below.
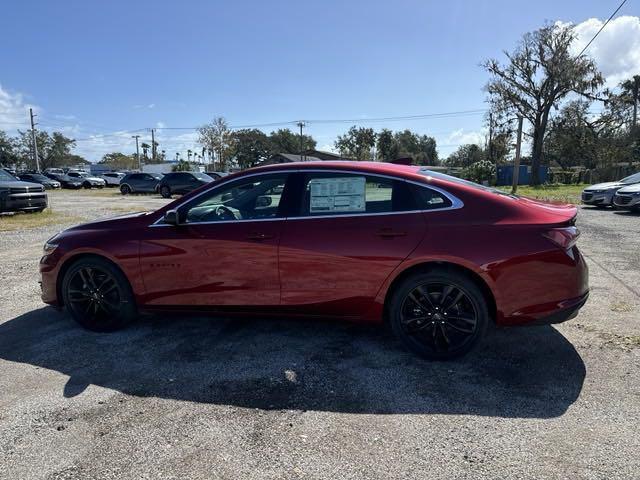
(440, 314)
(125, 189)
(98, 295)
(165, 191)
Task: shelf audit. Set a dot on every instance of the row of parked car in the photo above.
(624, 194)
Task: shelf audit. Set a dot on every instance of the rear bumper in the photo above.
(567, 313)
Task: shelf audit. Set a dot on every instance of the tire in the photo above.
(98, 295)
(440, 315)
(125, 189)
(86, 185)
(165, 191)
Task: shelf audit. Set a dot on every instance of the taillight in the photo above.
(564, 237)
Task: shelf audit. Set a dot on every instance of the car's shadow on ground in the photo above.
(297, 364)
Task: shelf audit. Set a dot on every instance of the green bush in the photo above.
(482, 171)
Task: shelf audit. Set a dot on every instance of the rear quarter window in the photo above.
(429, 199)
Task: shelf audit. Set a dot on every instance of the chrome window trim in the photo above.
(456, 203)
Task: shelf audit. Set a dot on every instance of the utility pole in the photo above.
(490, 146)
(301, 124)
(516, 163)
(138, 151)
(636, 88)
(35, 143)
(153, 145)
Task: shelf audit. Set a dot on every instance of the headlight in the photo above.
(49, 248)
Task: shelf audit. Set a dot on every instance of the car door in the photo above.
(349, 233)
(224, 252)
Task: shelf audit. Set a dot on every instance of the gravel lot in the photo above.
(175, 397)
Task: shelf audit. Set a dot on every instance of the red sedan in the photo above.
(436, 257)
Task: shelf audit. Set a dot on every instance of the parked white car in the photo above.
(628, 198)
(112, 178)
(88, 181)
(601, 194)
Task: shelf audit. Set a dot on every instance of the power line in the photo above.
(602, 27)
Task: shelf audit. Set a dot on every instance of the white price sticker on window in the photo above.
(339, 194)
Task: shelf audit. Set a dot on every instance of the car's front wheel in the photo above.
(125, 189)
(165, 191)
(440, 315)
(98, 295)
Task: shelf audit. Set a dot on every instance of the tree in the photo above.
(356, 143)
(540, 72)
(145, 151)
(216, 136)
(182, 166)
(387, 148)
(285, 141)
(250, 147)
(8, 153)
(427, 152)
(465, 156)
(119, 161)
(53, 150)
(573, 139)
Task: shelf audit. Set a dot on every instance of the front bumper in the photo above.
(593, 198)
(626, 201)
(18, 202)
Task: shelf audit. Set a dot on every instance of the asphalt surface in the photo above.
(187, 397)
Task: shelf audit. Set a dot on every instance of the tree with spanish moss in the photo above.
(537, 76)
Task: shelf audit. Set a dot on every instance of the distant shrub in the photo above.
(482, 171)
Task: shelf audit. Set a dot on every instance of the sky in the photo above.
(102, 71)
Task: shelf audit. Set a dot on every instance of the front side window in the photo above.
(347, 194)
(250, 199)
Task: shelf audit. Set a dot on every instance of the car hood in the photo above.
(110, 223)
(630, 189)
(604, 186)
(20, 184)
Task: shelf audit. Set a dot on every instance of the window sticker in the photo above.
(339, 194)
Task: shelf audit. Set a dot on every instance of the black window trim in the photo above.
(456, 203)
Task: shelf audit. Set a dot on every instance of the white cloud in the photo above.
(459, 137)
(14, 112)
(616, 50)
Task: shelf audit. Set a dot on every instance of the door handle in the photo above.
(259, 236)
(390, 233)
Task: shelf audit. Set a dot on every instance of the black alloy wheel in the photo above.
(440, 315)
(125, 189)
(98, 295)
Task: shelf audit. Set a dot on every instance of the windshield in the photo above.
(631, 179)
(202, 176)
(6, 177)
(461, 181)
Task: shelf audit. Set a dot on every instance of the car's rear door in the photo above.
(349, 232)
(224, 252)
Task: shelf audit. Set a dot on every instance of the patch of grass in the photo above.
(25, 221)
(550, 193)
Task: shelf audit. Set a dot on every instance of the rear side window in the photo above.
(429, 199)
(327, 194)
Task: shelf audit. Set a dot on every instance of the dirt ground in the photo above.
(174, 397)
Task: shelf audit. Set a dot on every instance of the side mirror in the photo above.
(171, 217)
(263, 201)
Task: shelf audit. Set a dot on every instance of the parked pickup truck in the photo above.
(16, 195)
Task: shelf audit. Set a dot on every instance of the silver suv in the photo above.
(601, 194)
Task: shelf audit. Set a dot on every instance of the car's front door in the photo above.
(349, 233)
(224, 250)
